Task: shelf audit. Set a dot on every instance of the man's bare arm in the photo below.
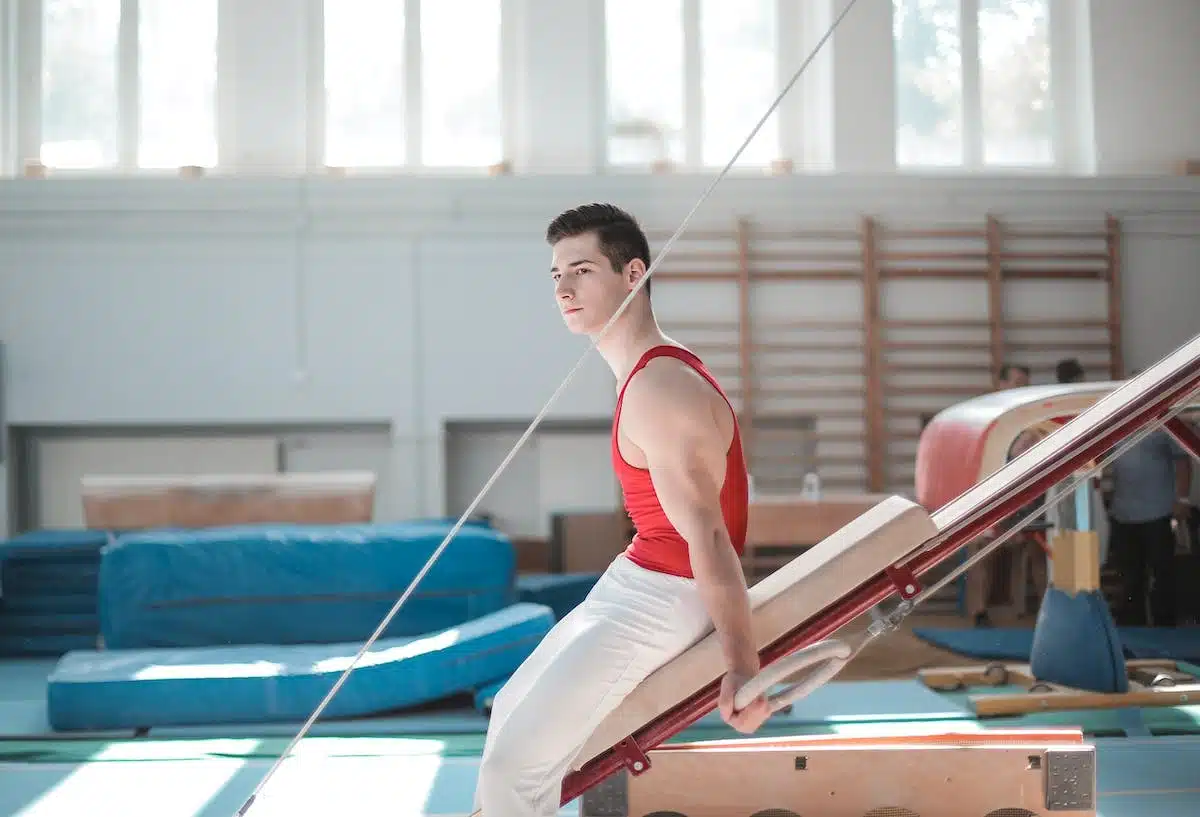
(666, 415)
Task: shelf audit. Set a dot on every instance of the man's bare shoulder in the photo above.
(668, 395)
(669, 384)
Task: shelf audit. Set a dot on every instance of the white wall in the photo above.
(411, 301)
(1145, 59)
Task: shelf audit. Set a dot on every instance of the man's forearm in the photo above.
(722, 585)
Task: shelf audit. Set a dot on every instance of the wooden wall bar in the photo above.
(837, 341)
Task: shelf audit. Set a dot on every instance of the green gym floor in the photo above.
(425, 764)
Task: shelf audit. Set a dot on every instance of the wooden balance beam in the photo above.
(1152, 682)
(1038, 773)
(135, 503)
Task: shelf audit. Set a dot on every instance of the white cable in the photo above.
(383, 625)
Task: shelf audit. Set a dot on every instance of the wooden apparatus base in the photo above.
(1152, 682)
(134, 503)
(1010, 772)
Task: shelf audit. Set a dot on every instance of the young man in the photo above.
(982, 577)
(678, 456)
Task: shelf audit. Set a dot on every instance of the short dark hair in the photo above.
(1069, 370)
(620, 237)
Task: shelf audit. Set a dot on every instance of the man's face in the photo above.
(586, 288)
(1016, 379)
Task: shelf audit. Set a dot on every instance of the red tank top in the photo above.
(656, 544)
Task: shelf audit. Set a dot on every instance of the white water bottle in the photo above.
(811, 489)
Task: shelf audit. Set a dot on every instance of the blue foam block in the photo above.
(484, 695)
(55, 545)
(1175, 643)
(259, 684)
(45, 578)
(296, 584)
(13, 623)
(47, 604)
(44, 644)
(1075, 643)
(562, 592)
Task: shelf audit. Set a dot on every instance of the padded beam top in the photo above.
(969, 441)
(217, 500)
(818, 578)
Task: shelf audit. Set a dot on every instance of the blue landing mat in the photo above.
(55, 546)
(48, 582)
(1016, 644)
(561, 592)
(296, 584)
(261, 683)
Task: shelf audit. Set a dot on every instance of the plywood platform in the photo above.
(133, 503)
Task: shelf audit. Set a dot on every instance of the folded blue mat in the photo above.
(294, 584)
(1016, 644)
(985, 643)
(257, 684)
(23, 579)
(485, 694)
(55, 545)
(44, 645)
(48, 604)
(48, 623)
(1174, 643)
(562, 592)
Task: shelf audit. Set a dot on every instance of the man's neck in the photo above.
(631, 336)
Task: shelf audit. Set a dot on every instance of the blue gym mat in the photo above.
(261, 683)
(561, 592)
(55, 546)
(48, 585)
(296, 584)
(1016, 644)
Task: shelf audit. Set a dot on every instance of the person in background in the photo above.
(1012, 376)
(1069, 370)
(1149, 492)
(981, 579)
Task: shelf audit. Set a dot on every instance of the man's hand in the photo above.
(746, 720)
(1182, 510)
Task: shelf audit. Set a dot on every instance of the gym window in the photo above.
(116, 85)
(973, 84)
(686, 80)
(407, 84)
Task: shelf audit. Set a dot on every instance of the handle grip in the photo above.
(823, 660)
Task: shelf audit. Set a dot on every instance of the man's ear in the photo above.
(634, 271)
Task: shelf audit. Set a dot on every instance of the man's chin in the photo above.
(577, 326)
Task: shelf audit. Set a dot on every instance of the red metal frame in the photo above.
(1185, 435)
(1125, 421)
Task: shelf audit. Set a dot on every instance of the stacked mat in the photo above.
(48, 591)
(254, 623)
(561, 592)
(135, 689)
(297, 584)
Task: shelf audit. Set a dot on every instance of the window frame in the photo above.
(788, 117)
(22, 94)
(971, 77)
(414, 130)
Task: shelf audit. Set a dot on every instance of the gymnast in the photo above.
(677, 453)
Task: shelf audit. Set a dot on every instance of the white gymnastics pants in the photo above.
(634, 621)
